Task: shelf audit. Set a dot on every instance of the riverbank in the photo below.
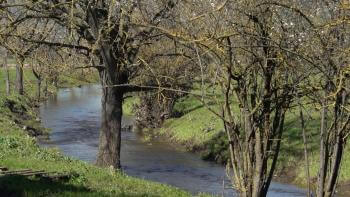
(199, 130)
(19, 124)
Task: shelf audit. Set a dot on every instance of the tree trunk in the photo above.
(19, 79)
(55, 81)
(112, 97)
(45, 88)
(7, 78)
(323, 153)
(258, 172)
(110, 134)
(306, 155)
(39, 89)
(338, 151)
(39, 79)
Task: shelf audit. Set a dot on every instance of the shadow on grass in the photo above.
(21, 186)
(216, 149)
(181, 112)
(16, 185)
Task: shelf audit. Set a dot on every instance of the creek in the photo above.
(74, 118)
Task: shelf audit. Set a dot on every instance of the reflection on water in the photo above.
(74, 117)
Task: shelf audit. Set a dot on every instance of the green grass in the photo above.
(66, 79)
(18, 150)
(199, 129)
(77, 78)
(196, 126)
(128, 105)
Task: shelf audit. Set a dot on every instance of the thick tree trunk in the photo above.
(110, 134)
(19, 79)
(112, 98)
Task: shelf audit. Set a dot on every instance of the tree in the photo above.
(254, 55)
(5, 55)
(328, 88)
(20, 49)
(174, 73)
(47, 64)
(7, 72)
(111, 31)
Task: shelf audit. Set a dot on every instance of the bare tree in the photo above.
(113, 32)
(175, 69)
(330, 91)
(253, 52)
(6, 72)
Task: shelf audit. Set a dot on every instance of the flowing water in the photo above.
(74, 117)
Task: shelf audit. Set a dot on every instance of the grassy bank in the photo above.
(19, 150)
(200, 130)
(66, 79)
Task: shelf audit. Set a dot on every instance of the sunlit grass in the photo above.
(19, 151)
(198, 126)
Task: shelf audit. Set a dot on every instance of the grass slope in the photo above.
(20, 151)
(67, 79)
(199, 129)
(195, 127)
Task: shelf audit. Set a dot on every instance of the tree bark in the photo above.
(338, 151)
(110, 134)
(323, 153)
(7, 78)
(306, 155)
(19, 79)
(339, 144)
(38, 82)
(45, 89)
(55, 81)
(39, 89)
(112, 97)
